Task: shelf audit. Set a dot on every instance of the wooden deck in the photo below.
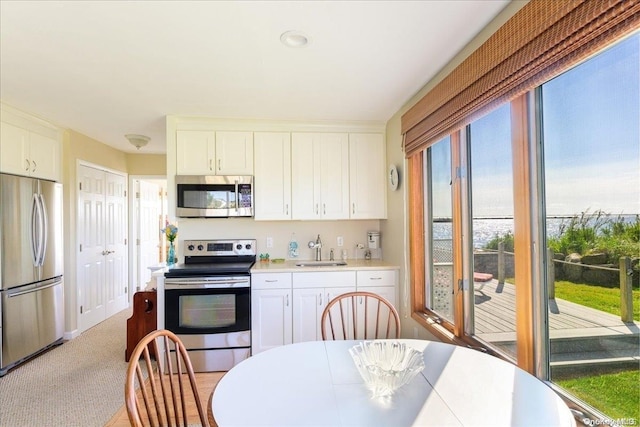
(495, 316)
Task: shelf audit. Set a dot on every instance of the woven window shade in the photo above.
(542, 40)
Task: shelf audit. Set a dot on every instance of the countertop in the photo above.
(289, 266)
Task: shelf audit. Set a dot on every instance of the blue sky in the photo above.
(591, 119)
(592, 134)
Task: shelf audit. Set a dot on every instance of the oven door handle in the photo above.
(202, 284)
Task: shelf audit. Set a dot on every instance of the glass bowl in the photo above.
(386, 366)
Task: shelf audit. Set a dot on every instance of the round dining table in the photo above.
(317, 384)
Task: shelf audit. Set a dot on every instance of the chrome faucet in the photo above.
(317, 245)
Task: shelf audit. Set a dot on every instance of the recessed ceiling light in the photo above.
(294, 39)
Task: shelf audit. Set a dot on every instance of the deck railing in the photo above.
(442, 257)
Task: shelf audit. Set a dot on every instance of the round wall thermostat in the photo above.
(393, 177)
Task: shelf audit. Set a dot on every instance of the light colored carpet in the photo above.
(79, 383)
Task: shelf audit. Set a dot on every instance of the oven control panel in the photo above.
(228, 247)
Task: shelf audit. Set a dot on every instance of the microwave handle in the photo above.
(237, 194)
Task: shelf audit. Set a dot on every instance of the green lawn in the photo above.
(598, 297)
(616, 395)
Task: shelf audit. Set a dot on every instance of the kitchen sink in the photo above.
(320, 263)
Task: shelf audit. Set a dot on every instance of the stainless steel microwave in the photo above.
(214, 196)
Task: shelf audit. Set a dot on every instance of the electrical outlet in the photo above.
(340, 241)
(269, 242)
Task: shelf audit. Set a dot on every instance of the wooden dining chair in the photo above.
(162, 391)
(359, 315)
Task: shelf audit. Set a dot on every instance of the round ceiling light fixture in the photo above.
(294, 39)
(138, 141)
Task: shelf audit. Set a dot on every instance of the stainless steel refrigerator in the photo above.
(31, 268)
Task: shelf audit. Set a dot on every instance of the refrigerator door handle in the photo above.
(35, 229)
(44, 231)
(30, 291)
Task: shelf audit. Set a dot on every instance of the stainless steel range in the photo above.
(208, 302)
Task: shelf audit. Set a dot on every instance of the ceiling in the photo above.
(109, 68)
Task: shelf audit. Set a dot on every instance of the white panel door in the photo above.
(272, 175)
(308, 305)
(195, 152)
(367, 176)
(334, 175)
(44, 153)
(14, 150)
(149, 225)
(102, 258)
(270, 319)
(92, 247)
(307, 310)
(320, 175)
(234, 153)
(116, 271)
(305, 176)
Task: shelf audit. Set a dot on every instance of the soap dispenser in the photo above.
(293, 246)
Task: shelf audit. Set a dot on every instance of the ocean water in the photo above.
(486, 229)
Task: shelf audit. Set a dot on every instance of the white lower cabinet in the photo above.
(271, 309)
(379, 282)
(312, 291)
(287, 307)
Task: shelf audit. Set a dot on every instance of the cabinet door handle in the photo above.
(271, 280)
(324, 209)
(286, 209)
(375, 278)
(35, 165)
(320, 298)
(219, 164)
(353, 208)
(316, 209)
(210, 164)
(287, 300)
(28, 165)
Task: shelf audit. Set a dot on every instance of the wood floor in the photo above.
(206, 382)
(495, 316)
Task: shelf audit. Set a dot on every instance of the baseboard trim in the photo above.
(71, 335)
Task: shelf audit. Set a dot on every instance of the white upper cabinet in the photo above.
(23, 152)
(214, 153)
(195, 152)
(320, 175)
(234, 153)
(367, 176)
(272, 163)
